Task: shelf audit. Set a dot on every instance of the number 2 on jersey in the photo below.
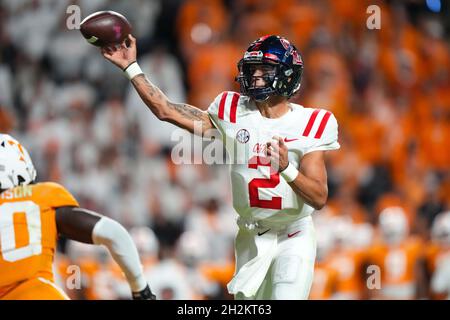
(8, 213)
(255, 184)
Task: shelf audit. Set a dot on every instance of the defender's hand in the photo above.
(145, 294)
(278, 153)
(121, 55)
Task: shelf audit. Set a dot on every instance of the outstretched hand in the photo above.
(121, 55)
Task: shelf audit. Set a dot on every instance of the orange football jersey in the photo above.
(398, 268)
(348, 263)
(28, 232)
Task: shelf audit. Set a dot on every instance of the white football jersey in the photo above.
(258, 193)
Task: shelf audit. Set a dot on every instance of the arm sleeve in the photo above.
(328, 140)
(113, 235)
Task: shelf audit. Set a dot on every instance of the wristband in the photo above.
(290, 173)
(132, 70)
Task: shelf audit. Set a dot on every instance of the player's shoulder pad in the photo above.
(49, 187)
(53, 195)
(225, 106)
(321, 124)
(321, 129)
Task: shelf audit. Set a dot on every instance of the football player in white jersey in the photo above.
(278, 172)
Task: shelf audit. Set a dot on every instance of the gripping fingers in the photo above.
(269, 149)
(106, 52)
(280, 141)
(129, 42)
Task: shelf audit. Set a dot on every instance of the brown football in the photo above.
(105, 28)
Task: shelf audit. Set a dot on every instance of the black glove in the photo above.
(145, 294)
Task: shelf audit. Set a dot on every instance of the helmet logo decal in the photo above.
(296, 58)
(16, 167)
(253, 55)
(285, 44)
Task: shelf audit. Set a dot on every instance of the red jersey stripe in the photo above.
(310, 123)
(222, 105)
(233, 109)
(322, 125)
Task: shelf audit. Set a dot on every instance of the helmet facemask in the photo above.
(248, 80)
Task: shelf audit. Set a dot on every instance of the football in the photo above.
(105, 28)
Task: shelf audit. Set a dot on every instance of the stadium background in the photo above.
(87, 129)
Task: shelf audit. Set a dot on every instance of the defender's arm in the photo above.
(89, 227)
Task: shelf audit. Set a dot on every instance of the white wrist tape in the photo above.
(132, 70)
(290, 173)
(119, 243)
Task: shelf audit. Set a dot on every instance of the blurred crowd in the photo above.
(86, 128)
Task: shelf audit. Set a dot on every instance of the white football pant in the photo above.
(291, 271)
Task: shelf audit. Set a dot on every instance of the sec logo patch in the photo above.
(243, 136)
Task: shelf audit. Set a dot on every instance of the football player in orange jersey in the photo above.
(347, 259)
(32, 216)
(399, 256)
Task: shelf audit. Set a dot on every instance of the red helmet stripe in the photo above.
(271, 56)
